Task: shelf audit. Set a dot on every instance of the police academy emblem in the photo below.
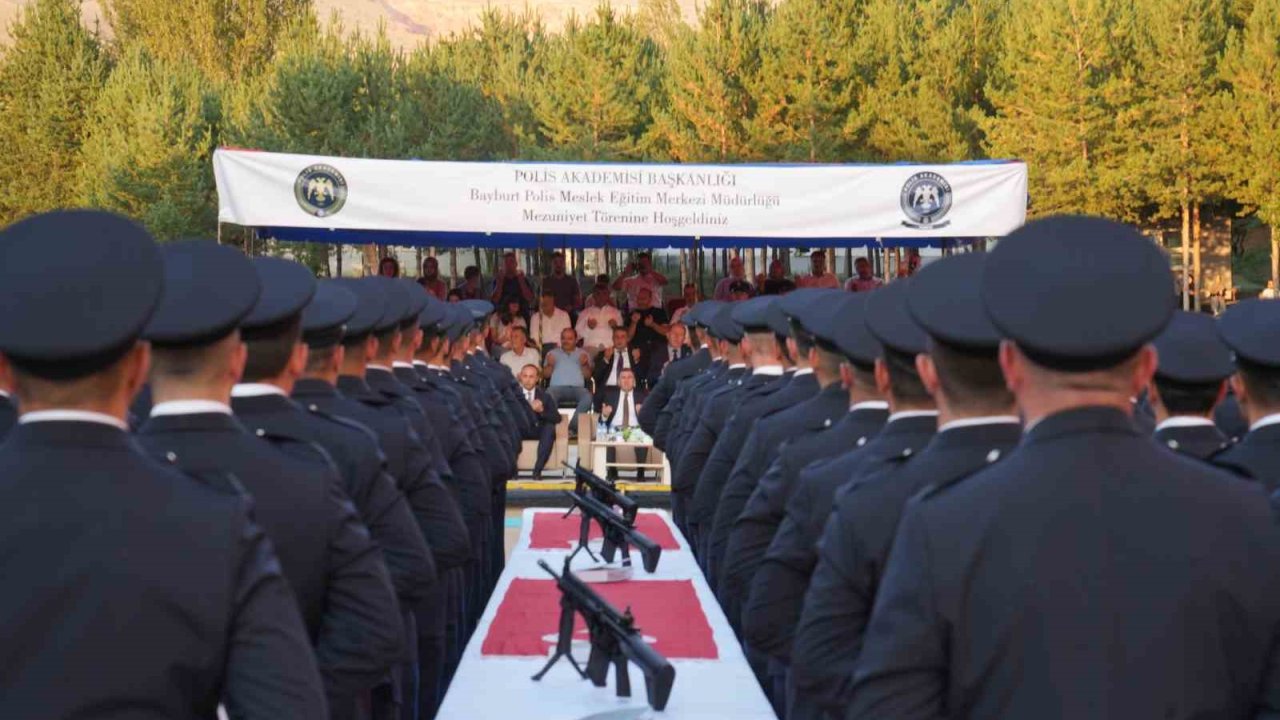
(926, 200)
(320, 190)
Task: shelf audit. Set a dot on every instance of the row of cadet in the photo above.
(307, 520)
(993, 490)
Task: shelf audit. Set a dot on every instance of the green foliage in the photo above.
(49, 78)
(150, 141)
(1252, 66)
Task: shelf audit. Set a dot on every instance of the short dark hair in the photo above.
(971, 379)
(549, 293)
(270, 350)
(804, 339)
(1181, 398)
(829, 360)
(904, 381)
(557, 254)
(184, 361)
(643, 256)
(319, 358)
(470, 272)
(508, 254)
(1262, 383)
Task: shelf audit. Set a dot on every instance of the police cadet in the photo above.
(766, 329)
(1190, 381)
(684, 407)
(713, 408)
(672, 374)
(335, 570)
(1251, 330)
(324, 323)
(814, 401)
(133, 590)
(977, 427)
(777, 591)
(8, 411)
(1081, 576)
(670, 409)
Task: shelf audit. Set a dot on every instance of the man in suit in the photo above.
(1249, 329)
(417, 471)
(1091, 610)
(978, 426)
(674, 349)
(544, 407)
(1190, 381)
(777, 590)
(335, 570)
(610, 363)
(124, 573)
(619, 410)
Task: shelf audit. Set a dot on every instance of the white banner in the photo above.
(263, 189)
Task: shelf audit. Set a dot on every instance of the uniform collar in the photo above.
(79, 416)
(314, 386)
(976, 421)
(801, 372)
(908, 414)
(190, 407)
(246, 390)
(1184, 421)
(774, 370)
(402, 364)
(738, 366)
(869, 405)
(1272, 419)
(4, 394)
(377, 368)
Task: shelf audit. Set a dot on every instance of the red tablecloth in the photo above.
(553, 531)
(667, 611)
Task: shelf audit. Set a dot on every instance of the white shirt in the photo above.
(1181, 421)
(912, 414)
(634, 284)
(189, 407)
(869, 405)
(4, 394)
(614, 371)
(602, 334)
(516, 361)
(627, 400)
(774, 370)
(246, 390)
(543, 329)
(1268, 420)
(39, 416)
(809, 371)
(529, 395)
(974, 421)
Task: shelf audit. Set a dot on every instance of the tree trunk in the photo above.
(1195, 241)
(1186, 254)
(453, 265)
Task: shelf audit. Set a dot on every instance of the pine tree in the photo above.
(149, 147)
(1062, 92)
(49, 78)
(812, 74)
(440, 117)
(593, 99)
(1178, 105)
(709, 81)
(1252, 66)
(226, 39)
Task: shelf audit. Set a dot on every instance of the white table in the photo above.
(500, 687)
(656, 462)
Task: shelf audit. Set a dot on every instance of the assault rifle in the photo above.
(618, 533)
(615, 640)
(604, 491)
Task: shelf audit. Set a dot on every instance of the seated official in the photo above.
(548, 322)
(567, 371)
(544, 406)
(597, 321)
(521, 353)
(777, 283)
(612, 361)
(675, 349)
(620, 408)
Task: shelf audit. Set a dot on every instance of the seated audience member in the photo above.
(502, 323)
(819, 277)
(544, 407)
(638, 276)
(862, 280)
(737, 274)
(548, 323)
(512, 286)
(739, 291)
(520, 353)
(675, 348)
(470, 288)
(597, 321)
(688, 300)
(389, 267)
(454, 296)
(601, 279)
(611, 361)
(567, 371)
(431, 279)
(621, 406)
(778, 283)
(564, 286)
(647, 324)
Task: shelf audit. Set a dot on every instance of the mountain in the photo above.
(408, 22)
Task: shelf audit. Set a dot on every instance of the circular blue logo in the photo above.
(320, 190)
(926, 200)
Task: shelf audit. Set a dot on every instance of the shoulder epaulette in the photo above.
(345, 422)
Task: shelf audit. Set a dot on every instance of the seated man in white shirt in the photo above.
(619, 410)
(548, 323)
(597, 321)
(520, 353)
